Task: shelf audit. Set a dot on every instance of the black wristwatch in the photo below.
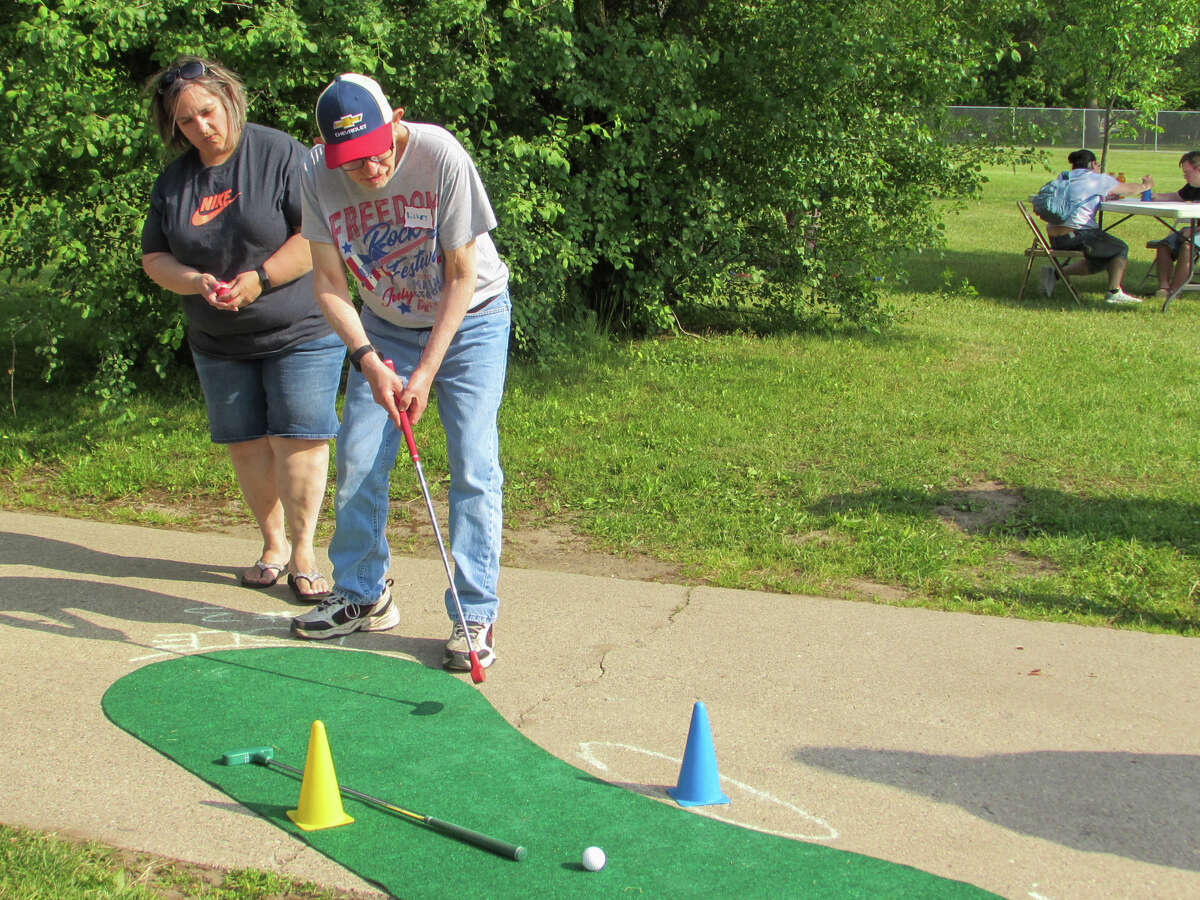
(263, 278)
(357, 355)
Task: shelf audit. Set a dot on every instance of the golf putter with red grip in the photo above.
(476, 668)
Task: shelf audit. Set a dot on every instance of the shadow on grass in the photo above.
(1169, 525)
(996, 276)
(1114, 610)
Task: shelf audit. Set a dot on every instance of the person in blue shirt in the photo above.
(1101, 250)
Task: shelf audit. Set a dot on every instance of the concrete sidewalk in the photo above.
(1035, 760)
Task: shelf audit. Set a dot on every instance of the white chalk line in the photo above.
(587, 754)
(186, 643)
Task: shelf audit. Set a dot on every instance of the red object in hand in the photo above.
(222, 289)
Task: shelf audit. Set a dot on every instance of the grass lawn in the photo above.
(37, 866)
(1034, 459)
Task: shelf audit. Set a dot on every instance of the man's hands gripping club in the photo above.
(394, 393)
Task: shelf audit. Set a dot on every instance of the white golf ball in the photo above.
(593, 859)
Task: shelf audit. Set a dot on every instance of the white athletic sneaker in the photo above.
(1047, 279)
(457, 656)
(1119, 296)
(336, 615)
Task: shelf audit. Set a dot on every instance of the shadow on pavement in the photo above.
(95, 610)
(25, 549)
(1140, 806)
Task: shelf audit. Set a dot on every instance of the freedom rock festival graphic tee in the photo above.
(391, 238)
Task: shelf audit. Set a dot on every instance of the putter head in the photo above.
(260, 755)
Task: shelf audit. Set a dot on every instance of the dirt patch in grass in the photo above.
(1031, 566)
(978, 507)
(882, 593)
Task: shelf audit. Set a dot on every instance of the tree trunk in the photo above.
(1104, 131)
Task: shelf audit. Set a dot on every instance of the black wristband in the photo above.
(357, 355)
(263, 278)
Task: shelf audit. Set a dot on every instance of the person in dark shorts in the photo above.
(223, 231)
(1173, 266)
(1101, 250)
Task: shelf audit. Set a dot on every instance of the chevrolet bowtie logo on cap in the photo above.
(346, 121)
(355, 119)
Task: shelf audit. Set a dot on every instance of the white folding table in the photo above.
(1170, 213)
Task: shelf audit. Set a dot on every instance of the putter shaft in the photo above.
(265, 756)
(477, 675)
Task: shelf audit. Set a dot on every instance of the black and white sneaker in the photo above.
(336, 615)
(457, 656)
(1118, 296)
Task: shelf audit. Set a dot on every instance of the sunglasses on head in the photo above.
(187, 72)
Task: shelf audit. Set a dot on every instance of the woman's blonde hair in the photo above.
(166, 86)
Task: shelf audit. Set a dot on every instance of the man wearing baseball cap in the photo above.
(401, 208)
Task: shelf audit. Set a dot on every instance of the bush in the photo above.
(638, 155)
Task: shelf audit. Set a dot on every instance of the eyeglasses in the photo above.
(188, 71)
(355, 164)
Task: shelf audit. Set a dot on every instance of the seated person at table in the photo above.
(1100, 249)
(1166, 254)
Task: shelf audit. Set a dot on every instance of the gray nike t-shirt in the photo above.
(228, 219)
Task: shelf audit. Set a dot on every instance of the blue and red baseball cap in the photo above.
(354, 118)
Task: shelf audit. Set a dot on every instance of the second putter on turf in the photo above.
(265, 756)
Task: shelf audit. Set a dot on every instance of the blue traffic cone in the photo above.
(699, 784)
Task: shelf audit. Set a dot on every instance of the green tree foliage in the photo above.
(1125, 54)
(1119, 52)
(640, 155)
(1186, 79)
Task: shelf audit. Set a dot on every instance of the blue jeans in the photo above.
(292, 394)
(468, 387)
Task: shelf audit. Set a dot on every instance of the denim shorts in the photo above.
(292, 394)
(1173, 241)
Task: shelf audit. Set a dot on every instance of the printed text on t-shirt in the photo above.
(393, 237)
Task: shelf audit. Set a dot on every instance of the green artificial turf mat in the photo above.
(426, 741)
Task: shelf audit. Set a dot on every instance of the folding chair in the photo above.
(1150, 269)
(1041, 249)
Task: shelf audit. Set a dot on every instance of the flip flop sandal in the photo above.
(264, 568)
(310, 577)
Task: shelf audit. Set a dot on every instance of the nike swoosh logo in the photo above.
(217, 205)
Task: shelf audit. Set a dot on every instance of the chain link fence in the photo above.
(1177, 130)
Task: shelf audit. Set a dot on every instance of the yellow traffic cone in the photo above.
(320, 799)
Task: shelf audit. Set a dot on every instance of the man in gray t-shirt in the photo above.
(401, 208)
